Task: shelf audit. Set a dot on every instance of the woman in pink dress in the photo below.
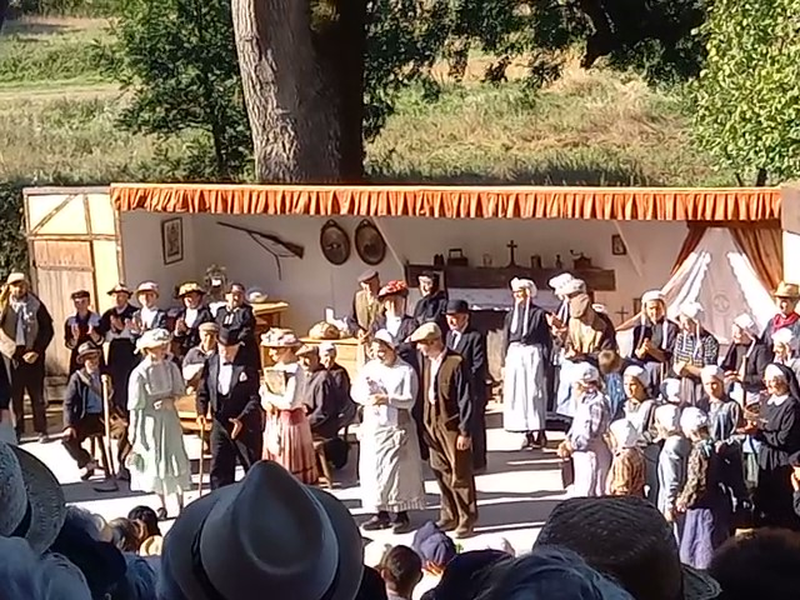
(287, 434)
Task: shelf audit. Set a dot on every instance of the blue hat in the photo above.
(433, 545)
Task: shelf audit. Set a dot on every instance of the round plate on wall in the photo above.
(335, 243)
(370, 245)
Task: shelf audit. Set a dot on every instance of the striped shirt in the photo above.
(687, 349)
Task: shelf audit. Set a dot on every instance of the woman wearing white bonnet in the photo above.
(778, 430)
(640, 411)
(654, 337)
(745, 361)
(724, 414)
(671, 463)
(694, 349)
(585, 440)
(785, 346)
(527, 346)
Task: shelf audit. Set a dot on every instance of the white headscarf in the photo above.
(786, 337)
(652, 296)
(746, 323)
(516, 285)
(586, 373)
(638, 373)
(671, 390)
(668, 417)
(710, 372)
(625, 434)
(692, 420)
(774, 372)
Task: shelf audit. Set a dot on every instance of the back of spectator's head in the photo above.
(374, 552)
(127, 534)
(93, 525)
(25, 575)
(401, 569)
(547, 574)
(372, 586)
(463, 576)
(147, 516)
(140, 580)
(764, 563)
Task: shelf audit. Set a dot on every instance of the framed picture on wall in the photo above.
(172, 240)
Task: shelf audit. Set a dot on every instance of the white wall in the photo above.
(142, 257)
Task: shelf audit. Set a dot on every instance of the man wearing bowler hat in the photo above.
(471, 345)
(229, 391)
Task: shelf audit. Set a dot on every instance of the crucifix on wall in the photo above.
(511, 248)
(622, 313)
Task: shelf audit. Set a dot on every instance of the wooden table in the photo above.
(346, 352)
(268, 314)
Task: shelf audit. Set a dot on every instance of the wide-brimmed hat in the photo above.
(280, 338)
(31, 499)
(308, 548)
(190, 287)
(147, 286)
(629, 539)
(787, 290)
(120, 288)
(393, 288)
(87, 349)
(153, 338)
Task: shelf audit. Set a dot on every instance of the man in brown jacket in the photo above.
(366, 308)
(447, 422)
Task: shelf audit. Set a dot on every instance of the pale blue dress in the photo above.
(158, 462)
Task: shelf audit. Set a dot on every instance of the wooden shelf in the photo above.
(597, 280)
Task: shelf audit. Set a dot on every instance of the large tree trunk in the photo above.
(3, 11)
(294, 119)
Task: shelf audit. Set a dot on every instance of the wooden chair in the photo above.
(322, 460)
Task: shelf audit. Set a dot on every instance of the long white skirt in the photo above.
(524, 397)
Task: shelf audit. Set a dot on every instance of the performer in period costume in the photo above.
(560, 387)
(237, 316)
(115, 326)
(192, 315)
(83, 326)
(585, 440)
(527, 346)
(394, 300)
(471, 344)
(778, 430)
(745, 362)
(654, 338)
(627, 475)
(320, 395)
(639, 410)
(786, 297)
(83, 407)
(195, 360)
(588, 331)
(433, 301)
(229, 390)
(287, 435)
(675, 450)
(694, 349)
(158, 462)
(704, 499)
(786, 347)
(340, 379)
(366, 308)
(149, 316)
(448, 415)
(389, 466)
(27, 322)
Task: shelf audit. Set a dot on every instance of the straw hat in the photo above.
(147, 286)
(629, 539)
(787, 290)
(280, 338)
(31, 497)
(191, 287)
(120, 288)
(311, 548)
(87, 349)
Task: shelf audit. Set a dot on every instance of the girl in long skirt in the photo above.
(287, 434)
(704, 499)
(585, 439)
(158, 462)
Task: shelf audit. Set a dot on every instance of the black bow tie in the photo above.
(227, 364)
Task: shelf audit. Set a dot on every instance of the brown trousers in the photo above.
(453, 471)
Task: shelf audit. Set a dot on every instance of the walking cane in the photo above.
(202, 423)
(106, 381)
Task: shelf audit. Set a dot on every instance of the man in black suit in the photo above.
(229, 388)
(237, 316)
(471, 344)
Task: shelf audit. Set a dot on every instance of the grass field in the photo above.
(58, 123)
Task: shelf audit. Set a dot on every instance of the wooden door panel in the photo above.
(58, 255)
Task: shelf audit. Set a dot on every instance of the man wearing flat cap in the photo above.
(365, 310)
(229, 392)
(83, 326)
(471, 345)
(237, 317)
(27, 323)
(447, 428)
(195, 360)
(191, 316)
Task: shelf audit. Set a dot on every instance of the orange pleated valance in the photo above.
(665, 204)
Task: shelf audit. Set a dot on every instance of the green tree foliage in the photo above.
(178, 60)
(13, 249)
(748, 95)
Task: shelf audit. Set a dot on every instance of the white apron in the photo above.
(524, 398)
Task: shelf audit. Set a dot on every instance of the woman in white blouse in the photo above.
(287, 435)
(389, 466)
